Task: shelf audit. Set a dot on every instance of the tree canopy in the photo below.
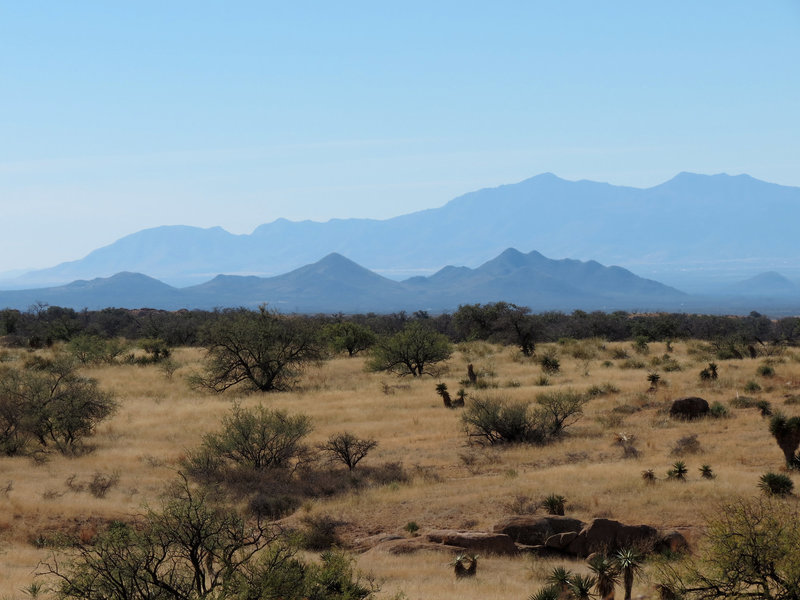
(262, 350)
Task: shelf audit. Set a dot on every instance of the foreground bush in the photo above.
(191, 548)
(750, 551)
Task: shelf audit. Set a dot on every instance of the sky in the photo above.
(119, 116)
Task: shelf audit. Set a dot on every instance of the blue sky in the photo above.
(116, 116)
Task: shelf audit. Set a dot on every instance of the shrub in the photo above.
(101, 483)
(632, 363)
(319, 532)
(765, 371)
(550, 363)
(640, 345)
(347, 449)
(764, 407)
(602, 390)
(743, 402)
(718, 410)
(499, 422)
(749, 551)
(775, 484)
(156, 349)
(412, 351)
(752, 387)
(619, 354)
(411, 527)
(50, 403)
(688, 444)
(649, 476)
(561, 408)
(258, 438)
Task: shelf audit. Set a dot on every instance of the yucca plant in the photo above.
(554, 504)
(706, 472)
(649, 476)
(654, 379)
(629, 562)
(607, 576)
(550, 592)
(561, 578)
(776, 484)
(678, 471)
(441, 389)
(580, 586)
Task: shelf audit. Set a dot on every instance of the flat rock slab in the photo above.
(412, 545)
(474, 541)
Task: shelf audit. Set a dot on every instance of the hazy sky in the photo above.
(116, 116)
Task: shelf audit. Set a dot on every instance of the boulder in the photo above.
(534, 531)
(688, 408)
(474, 541)
(561, 541)
(606, 535)
(672, 541)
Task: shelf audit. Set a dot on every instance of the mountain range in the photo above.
(698, 232)
(337, 284)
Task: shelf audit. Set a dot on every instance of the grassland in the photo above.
(452, 483)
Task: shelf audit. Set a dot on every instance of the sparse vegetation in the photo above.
(413, 351)
(69, 500)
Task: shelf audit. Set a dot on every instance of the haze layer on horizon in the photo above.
(130, 116)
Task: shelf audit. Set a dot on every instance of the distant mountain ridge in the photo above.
(337, 284)
(701, 224)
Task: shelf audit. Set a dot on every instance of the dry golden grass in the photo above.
(452, 484)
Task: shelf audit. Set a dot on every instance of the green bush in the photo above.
(751, 386)
(48, 403)
(719, 411)
(258, 438)
(413, 351)
(765, 370)
(743, 402)
(550, 363)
